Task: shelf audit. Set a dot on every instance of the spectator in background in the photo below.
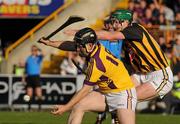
(169, 14)
(176, 88)
(136, 19)
(158, 8)
(176, 47)
(155, 12)
(173, 4)
(138, 9)
(177, 18)
(143, 5)
(32, 75)
(172, 59)
(172, 100)
(67, 67)
(131, 6)
(19, 68)
(147, 20)
(161, 20)
(169, 55)
(162, 43)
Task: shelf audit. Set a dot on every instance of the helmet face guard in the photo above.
(113, 20)
(85, 36)
(79, 42)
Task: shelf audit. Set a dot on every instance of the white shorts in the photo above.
(126, 99)
(161, 80)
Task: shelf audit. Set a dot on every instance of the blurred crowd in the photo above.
(156, 12)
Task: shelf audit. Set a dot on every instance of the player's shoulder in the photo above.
(135, 25)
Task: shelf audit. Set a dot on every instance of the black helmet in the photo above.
(84, 36)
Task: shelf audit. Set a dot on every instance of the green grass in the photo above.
(47, 118)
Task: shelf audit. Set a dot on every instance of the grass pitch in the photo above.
(47, 118)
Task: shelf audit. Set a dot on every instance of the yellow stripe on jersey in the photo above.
(159, 54)
(107, 72)
(148, 54)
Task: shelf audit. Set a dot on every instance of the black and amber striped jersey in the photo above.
(144, 52)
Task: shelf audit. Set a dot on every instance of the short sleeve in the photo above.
(133, 32)
(68, 46)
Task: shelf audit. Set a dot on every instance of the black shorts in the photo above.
(33, 81)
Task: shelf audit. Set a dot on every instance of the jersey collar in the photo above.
(95, 50)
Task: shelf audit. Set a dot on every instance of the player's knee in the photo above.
(79, 107)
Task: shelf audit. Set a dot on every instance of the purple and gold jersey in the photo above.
(107, 72)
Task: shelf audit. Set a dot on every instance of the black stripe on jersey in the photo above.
(135, 63)
(154, 48)
(164, 57)
(151, 55)
(143, 57)
(139, 64)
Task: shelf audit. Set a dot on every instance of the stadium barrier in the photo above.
(56, 90)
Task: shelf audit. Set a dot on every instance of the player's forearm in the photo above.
(55, 44)
(103, 35)
(109, 35)
(62, 45)
(78, 96)
(50, 43)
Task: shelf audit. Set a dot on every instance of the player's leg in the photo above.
(94, 101)
(157, 83)
(144, 91)
(114, 118)
(101, 117)
(29, 92)
(124, 103)
(38, 90)
(29, 86)
(126, 116)
(37, 85)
